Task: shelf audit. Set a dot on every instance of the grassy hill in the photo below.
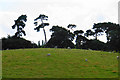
(62, 63)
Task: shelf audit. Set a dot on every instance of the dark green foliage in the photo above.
(78, 32)
(71, 26)
(97, 32)
(61, 33)
(112, 31)
(106, 27)
(16, 43)
(80, 41)
(114, 39)
(19, 23)
(42, 17)
(53, 42)
(89, 33)
(95, 45)
(61, 37)
(41, 26)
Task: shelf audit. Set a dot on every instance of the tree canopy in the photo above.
(19, 23)
(60, 37)
(63, 38)
(41, 17)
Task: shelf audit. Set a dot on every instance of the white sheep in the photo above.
(86, 60)
(56, 47)
(117, 57)
(48, 54)
(68, 47)
(90, 49)
(7, 49)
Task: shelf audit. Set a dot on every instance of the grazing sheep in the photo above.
(7, 49)
(113, 51)
(86, 60)
(48, 54)
(90, 49)
(117, 57)
(68, 47)
(55, 47)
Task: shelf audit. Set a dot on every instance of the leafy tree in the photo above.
(61, 37)
(19, 23)
(80, 40)
(12, 42)
(71, 26)
(97, 32)
(105, 27)
(112, 31)
(42, 17)
(62, 33)
(114, 37)
(78, 32)
(89, 33)
(95, 45)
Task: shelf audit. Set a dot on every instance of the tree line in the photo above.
(63, 37)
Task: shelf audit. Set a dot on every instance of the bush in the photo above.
(16, 43)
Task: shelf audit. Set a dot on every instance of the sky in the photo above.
(83, 13)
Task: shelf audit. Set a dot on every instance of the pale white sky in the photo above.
(83, 13)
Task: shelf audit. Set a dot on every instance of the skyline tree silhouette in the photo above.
(42, 17)
(20, 24)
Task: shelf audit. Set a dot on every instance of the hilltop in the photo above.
(62, 63)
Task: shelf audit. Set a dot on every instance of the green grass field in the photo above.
(63, 63)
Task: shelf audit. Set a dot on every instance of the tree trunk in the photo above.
(96, 36)
(44, 32)
(45, 35)
(18, 35)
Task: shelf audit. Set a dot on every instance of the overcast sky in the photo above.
(83, 13)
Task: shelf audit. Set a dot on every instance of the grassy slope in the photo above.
(63, 63)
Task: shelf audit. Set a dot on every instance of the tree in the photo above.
(89, 33)
(61, 37)
(62, 33)
(39, 44)
(19, 23)
(71, 26)
(105, 27)
(42, 17)
(80, 40)
(112, 31)
(95, 45)
(12, 42)
(114, 38)
(78, 32)
(97, 32)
